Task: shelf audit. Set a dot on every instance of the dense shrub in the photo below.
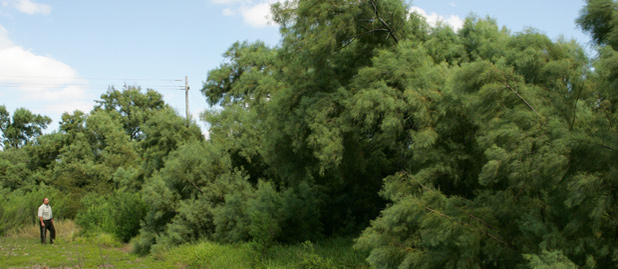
(267, 216)
(226, 209)
(20, 207)
(14, 172)
(119, 214)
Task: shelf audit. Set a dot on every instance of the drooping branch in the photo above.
(575, 105)
(608, 117)
(518, 95)
(471, 226)
(391, 32)
(195, 185)
(460, 221)
(411, 177)
(359, 36)
(607, 147)
(386, 28)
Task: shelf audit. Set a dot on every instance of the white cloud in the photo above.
(5, 42)
(28, 7)
(228, 2)
(228, 12)
(68, 106)
(258, 15)
(29, 78)
(255, 13)
(60, 94)
(434, 19)
(20, 66)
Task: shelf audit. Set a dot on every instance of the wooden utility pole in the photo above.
(187, 98)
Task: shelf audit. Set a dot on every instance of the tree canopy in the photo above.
(21, 128)
(432, 147)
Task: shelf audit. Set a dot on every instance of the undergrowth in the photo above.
(21, 247)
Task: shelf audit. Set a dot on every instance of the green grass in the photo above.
(333, 253)
(22, 248)
(81, 253)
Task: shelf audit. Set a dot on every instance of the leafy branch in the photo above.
(462, 222)
(391, 32)
(518, 95)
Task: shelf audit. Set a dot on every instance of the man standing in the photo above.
(46, 222)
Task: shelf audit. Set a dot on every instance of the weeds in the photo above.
(22, 248)
(312, 260)
(65, 229)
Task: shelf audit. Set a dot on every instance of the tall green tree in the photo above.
(93, 151)
(162, 134)
(311, 136)
(296, 114)
(15, 172)
(476, 148)
(185, 180)
(599, 19)
(21, 128)
(249, 76)
(98, 153)
(523, 176)
(132, 107)
(242, 86)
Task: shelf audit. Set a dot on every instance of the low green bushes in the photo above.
(19, 207)
(118, 214)
(328, 253)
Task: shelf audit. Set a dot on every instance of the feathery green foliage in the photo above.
(20, 128)
(18, 208)
(437, 148)
(118, 214)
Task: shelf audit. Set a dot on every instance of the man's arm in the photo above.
(40, 214)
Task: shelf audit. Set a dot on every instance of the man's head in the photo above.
(46, 201)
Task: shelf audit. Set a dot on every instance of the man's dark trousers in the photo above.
(49, 225)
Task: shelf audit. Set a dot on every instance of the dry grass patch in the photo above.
(65, 229)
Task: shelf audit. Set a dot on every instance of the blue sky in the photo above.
(61, 55)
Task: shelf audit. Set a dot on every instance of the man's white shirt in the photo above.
(45, 211)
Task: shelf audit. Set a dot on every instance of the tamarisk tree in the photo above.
(521, 167)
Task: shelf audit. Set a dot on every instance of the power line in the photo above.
(94, 78)
(82, 82)
(9, 84)
(86, 86)
(32, 86)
